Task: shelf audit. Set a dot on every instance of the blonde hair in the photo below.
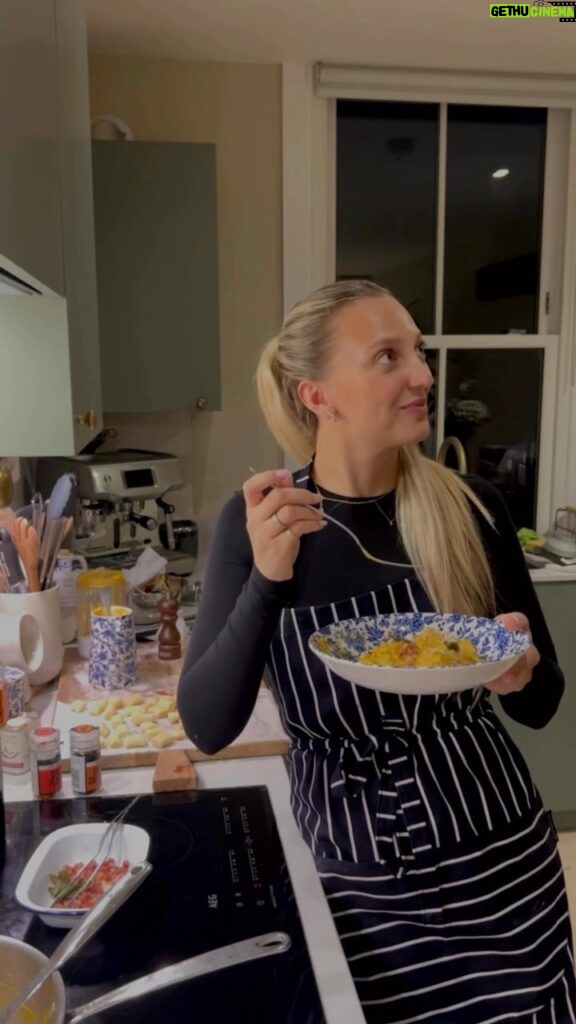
(435, 520)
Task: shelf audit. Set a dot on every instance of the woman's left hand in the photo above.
(515, 678)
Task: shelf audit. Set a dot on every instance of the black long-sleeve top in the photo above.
(240, 608)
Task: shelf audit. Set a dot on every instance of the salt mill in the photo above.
(169, 644)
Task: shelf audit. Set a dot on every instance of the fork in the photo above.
(358, 542)
(103, 851)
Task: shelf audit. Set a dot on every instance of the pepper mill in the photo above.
(169, 644)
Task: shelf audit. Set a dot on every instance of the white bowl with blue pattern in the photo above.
(340, 644)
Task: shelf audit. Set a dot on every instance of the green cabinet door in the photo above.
(551, 752)
(157, 271)
(50, 371)
(30, 206)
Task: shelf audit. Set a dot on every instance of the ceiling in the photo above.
(445, 33)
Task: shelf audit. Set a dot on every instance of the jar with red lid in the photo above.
(46, 761)
(85, 759)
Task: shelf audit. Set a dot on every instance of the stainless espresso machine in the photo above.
(122, 506)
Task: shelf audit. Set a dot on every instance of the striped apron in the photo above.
(438, 860)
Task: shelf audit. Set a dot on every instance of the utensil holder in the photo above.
(112, 662)
(40, 640)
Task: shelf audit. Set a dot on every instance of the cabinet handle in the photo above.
(201, 403)
(87, 419)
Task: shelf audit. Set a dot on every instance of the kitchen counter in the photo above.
(554, 574)
(335, 985)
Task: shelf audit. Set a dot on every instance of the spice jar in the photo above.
(15, 746)
(46, 762)
(85, 758)
(93, 588)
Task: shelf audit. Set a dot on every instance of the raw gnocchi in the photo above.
(134, 720)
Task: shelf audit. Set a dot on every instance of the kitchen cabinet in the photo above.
(50, 380)
(551, 752)
(157, 270)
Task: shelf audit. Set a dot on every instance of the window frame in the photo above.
(309, 96)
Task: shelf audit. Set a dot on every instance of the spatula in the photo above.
(27, 544)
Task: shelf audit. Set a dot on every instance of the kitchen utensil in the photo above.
(56, 531)
(258, 948)
(340, 644)
(10, 565)
(86, 927)
(19, 962)
(44, 649)
(358, 542)
(104, 850)
(37, 507)
(6, 487)
(61, 502)
(27, 544)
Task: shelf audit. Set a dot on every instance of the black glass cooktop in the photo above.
(219, 875)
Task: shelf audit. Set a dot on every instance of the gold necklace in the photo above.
(357, 501)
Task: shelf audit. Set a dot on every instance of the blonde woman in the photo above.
(437, 857)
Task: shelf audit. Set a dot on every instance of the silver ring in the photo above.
(283, 527)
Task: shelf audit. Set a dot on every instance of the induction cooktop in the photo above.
(219, 875)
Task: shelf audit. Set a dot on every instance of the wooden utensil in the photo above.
(173, 772)
(6, 487)
(27, 544)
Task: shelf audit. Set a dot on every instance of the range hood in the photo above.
(12, 285)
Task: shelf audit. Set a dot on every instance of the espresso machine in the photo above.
(122, 506)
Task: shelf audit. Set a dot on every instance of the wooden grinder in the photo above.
(169, 644)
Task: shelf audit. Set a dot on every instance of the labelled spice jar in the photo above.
(85, 759)
(46, 761)
(15, 745)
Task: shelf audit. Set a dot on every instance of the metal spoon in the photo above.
(258, 948)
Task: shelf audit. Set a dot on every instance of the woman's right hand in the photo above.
(276, 518)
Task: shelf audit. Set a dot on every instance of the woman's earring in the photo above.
(333, 416)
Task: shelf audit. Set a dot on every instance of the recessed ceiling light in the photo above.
(502, 172)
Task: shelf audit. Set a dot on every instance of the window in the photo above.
(445, 205)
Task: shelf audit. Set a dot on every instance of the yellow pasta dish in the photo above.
(428, 649)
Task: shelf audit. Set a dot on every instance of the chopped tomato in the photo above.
(68, 881)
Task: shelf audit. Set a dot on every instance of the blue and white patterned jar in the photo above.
(14, 682)
(112, 662)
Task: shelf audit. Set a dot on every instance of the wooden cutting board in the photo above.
(262, 737)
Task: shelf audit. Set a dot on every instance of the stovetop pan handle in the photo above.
(257, 948)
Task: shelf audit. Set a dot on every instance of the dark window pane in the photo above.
(386, 199)
(493, 404)
(493, 225)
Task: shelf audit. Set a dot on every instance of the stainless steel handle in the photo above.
(215, 960)
(79, 935)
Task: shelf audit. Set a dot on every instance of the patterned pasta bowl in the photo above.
(417, 653)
